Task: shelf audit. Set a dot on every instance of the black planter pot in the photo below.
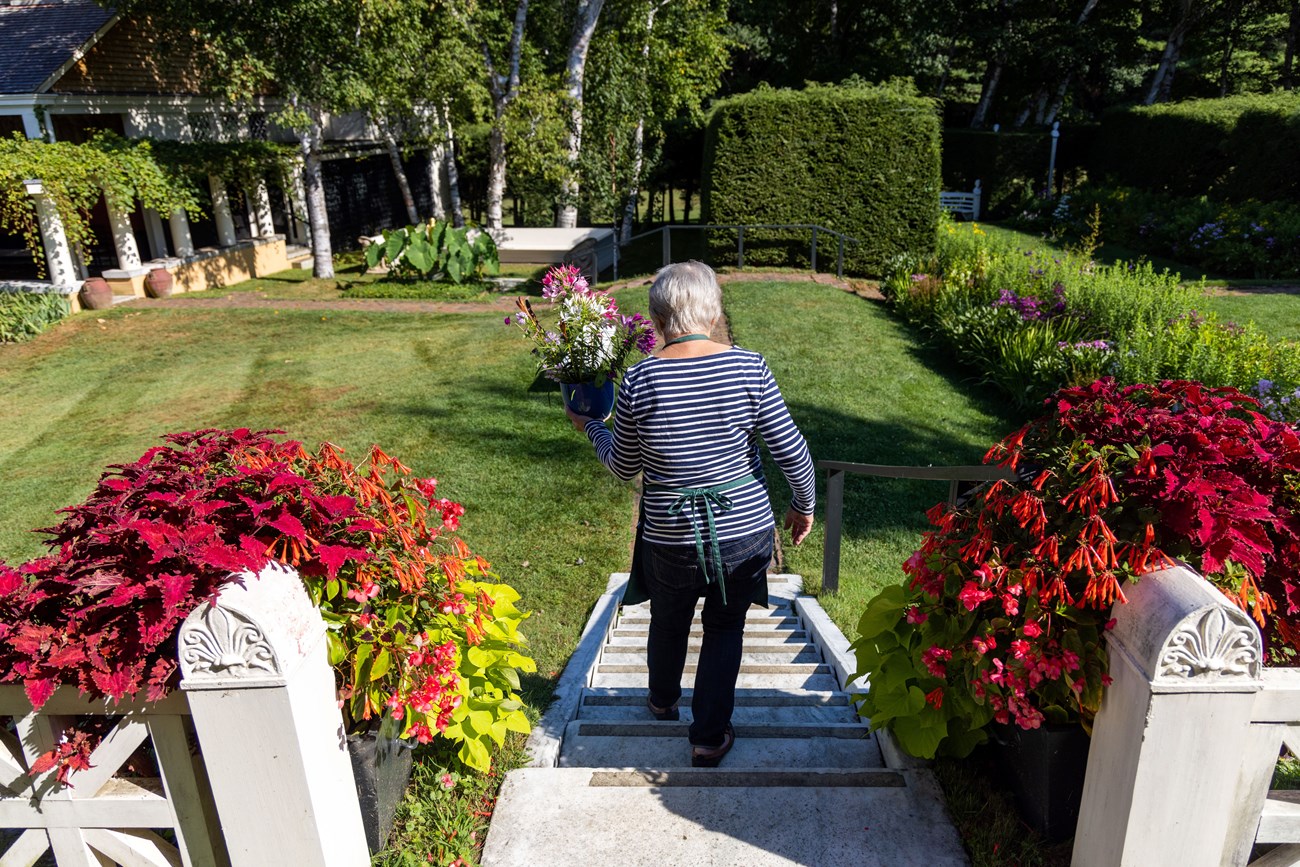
(382, 768)
(1044, 767)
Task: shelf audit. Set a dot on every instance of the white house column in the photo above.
(298, 231)
(153, 227)
(261, 691)
(32, 124)
(261, 202)
(221, 212)
(182, 240)
(128, 253)
(58, 254)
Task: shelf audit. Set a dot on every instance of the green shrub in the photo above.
(1229, 148)
(24, 315)
(435, 248)
(855, 159)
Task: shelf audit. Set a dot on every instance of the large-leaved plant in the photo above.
(420, 632)
(1004, 611)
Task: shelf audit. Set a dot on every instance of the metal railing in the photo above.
(667, 235)
(836, 471)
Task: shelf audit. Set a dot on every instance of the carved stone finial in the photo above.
(227, 644)
(1220, 644)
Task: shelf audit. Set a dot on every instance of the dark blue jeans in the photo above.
(674, 582)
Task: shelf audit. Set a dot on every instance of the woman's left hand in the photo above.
(579, 421)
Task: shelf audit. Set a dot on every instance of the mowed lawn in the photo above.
(453, 395)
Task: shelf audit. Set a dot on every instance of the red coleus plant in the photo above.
(1009, 596)
(373, 545)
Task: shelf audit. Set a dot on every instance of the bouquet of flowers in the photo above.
(592, 342)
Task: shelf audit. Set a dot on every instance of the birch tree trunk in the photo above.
(574, 70)
(1163, 79)
(1292, 36)
(321, 253)
(453, 176)
(634, 191)
(638, 140)
(991, 78)
(399, 172)
(437, 187)
(504, 89)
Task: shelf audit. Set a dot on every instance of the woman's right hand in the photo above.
(798, 525)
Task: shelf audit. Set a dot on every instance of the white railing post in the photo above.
(262, 695)
(1165, 770)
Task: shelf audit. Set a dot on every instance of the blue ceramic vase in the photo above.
(590, 400)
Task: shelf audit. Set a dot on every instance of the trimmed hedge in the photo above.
(1235, 148)
(24, 315)
(862, 160)
(1011, 166)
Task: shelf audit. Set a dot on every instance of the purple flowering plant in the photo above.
(591, 341)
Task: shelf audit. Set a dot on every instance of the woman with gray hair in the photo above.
(689, 419)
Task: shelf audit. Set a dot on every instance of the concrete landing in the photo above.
(805, 783)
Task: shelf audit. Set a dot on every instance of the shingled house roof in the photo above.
(37, 37)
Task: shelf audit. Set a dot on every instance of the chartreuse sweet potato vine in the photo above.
(420, 632)
(1004, 615)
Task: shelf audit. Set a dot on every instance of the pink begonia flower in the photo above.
(972, 596)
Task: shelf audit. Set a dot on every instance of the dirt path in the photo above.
(1253, 290)
(503, 304)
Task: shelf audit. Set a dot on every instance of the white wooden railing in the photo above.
(1184, 747)
(250, 752)
(966, 205)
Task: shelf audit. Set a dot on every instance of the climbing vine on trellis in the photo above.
(246, 161)
(75, 176)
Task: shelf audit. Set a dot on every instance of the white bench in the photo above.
(965, 205)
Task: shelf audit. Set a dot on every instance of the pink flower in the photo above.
(447, 781)
(972, 596)
(1019, 648)
(915, 615)
(1032, 629)
(934, 659)
(1010, 605)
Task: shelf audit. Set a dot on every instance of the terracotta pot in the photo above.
(159, 283)
(96, 294)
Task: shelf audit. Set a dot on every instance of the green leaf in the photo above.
(437, 235)
(455, 271)
(518, 722)
(374, 252)
(394, 243)
(476, 755)
(418, 255)
(332, 588)
(337, 652)
(381, 665)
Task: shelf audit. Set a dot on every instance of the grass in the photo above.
(351, 281)
(1277, 314)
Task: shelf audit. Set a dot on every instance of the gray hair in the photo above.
(685, 298)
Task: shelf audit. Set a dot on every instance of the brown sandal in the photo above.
(703, 757)
(663, 714)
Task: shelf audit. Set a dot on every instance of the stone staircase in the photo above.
(805, 783)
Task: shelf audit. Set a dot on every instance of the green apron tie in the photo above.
(711, 497)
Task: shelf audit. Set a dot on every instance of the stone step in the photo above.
(741, 716)
(580, 817)
(641, 625)
(754, 615)
(757, 638)
(636, 696)
(776, 669)
(798, 655)
(811, 680)
(664, 745)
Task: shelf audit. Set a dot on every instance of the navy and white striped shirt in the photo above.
(694, 423)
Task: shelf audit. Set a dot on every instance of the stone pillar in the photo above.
(1171, 771)
(58, 253)
(182, 241)
(261, 691)
(128, 253)
(221, 212)
(261, 205)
